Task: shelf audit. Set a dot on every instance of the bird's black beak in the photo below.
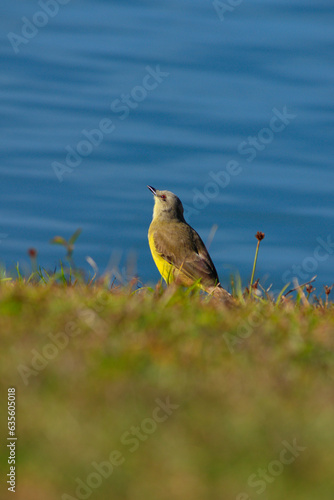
(152, 190)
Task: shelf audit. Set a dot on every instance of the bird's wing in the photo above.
(180, 245)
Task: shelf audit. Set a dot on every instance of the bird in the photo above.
(177, 249)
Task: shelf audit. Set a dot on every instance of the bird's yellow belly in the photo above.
(165, 268)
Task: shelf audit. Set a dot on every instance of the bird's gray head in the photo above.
(166, 204)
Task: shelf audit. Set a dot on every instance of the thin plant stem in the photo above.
(254, 266)
(259, 236)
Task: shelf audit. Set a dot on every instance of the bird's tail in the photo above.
(220, 293)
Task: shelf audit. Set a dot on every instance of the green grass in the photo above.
(245, 381)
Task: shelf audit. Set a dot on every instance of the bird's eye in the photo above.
(163, 196)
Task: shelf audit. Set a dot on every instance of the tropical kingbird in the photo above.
(177, 249)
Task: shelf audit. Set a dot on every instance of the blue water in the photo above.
(219, 82)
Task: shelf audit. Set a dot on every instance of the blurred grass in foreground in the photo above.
(167, 394)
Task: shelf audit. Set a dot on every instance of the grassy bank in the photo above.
(133, 396)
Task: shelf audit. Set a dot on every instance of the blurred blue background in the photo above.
(180, 89)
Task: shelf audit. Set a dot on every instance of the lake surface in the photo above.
(231, 110)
